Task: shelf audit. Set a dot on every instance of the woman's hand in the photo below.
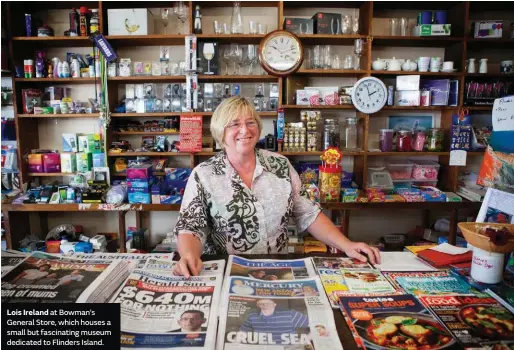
(189, 265)
(355, 250)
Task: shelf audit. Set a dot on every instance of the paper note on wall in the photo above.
(503, 114)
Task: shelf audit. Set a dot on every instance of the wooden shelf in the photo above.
(403, 205)
(317, 107)
(416, 41)
(479, 108)
(77, 115)
(233, 38)
(149, 154)
(58, 80)
(243, 4)
(149, 78)
(146, 133)
(490, 43)
(155, 173)
(332, 72)
(148, 115)
(330, 39)
(406, 154)
(236, 78)
(490, 75)
(261, 114)
(420, 108)
(52, 41)
(146, 40)
(431, 74)
(51, 174)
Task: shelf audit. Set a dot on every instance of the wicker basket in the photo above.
(470, 231)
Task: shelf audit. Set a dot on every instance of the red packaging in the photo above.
(139, 172)
(51, 163)
(31, 98)
(190, 133)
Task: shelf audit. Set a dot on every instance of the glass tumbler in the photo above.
(355, 25)
(316, 57)
(346, 25)
(327, 55)
(348, 62)
(394, 24)
(404, 26)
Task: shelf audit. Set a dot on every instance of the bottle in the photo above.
(55, 64)
(75, 68)
(74, 21)
(237, 19)
(351, 133)
(483, 66)
(65, 70)
(84, 25)
(198, 21)
(471, 66)
(40, 64)
(94, 23)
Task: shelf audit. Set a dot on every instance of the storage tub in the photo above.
(425, 170)
(400, 170)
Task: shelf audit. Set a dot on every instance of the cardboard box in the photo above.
(84, 162)
(138, 190)
(191, 57)
(407, 98)
(68, 162)
(307, 97)
(435, 29)
(297, 25)
(51, 163)
(202, 64)
(130, 21)
(138, 183)
(139, 172)
(99, 160)
(69, 143)
(407, 82)
(327, 23)
(484, 29)
(136, 198)
(35, 163)
(328, 95)
(83, 143)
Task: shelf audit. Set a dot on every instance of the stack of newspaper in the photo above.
(166, 311)
(275, 304)
(46, 278)
(11, 258)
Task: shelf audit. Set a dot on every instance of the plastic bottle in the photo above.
(40, 65)
(75, 68)
(65, 71)
(94, 23)
(74, 21)
(84, 25)
(59, 70)
(55, 64)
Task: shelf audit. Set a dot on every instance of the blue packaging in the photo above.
(138, 197)
(98, 160)
(171, 199)
(138, 183)
(138, 190)
(83, 247)
(460, 242)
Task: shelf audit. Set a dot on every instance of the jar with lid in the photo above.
(435, 140)
(386, 140)
(418, 142)
(350, 132)
(94, 22)
(404, 141)
(331, 134)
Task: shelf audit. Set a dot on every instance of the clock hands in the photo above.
(374, 92)
(276, 49)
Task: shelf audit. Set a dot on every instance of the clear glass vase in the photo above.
(237, 19)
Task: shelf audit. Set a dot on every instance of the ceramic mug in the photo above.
(435, 64)
(447, 66)
(506, 67)
(423, 63)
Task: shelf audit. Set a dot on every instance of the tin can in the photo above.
(425, 98)
(390, 95)
(28, 68)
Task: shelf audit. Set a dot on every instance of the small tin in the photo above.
(425, 98)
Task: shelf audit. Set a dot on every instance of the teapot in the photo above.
(378, 64)
(409, 66)
(394, 65)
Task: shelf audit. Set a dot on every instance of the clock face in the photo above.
(281, 53)
(369, 95)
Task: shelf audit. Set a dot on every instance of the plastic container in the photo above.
(386, 140)
(487, 267)
(400, 170)
(53, 246)
(425, 170)
(379, 178)
(404, 141)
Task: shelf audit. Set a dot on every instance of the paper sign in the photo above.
(450, 249)
(402, 261)
(458, 158)
(503, 114)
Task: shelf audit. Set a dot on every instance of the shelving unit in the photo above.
(455, 47)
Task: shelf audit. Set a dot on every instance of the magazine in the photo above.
(163, 311)
(434, 285)
(475, 321)
(394, 322)
(366, 281)
(333, 283)
(209, 268)
(140, 259)
(45, 278)
(337, 263)
(392, 276)
(292, 314)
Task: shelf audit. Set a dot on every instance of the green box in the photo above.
(95, 143)
(84, 162)
(436, 29)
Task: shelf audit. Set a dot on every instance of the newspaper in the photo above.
(140, 259)
(45, 278)
(164, 311)
(10, 260)
(275, 315)
(209, 268)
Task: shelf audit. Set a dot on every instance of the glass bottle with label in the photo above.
(351, 133)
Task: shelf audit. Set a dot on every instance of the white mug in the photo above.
(435, 64)
(448, 66)
(423, 63)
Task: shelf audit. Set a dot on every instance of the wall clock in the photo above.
(281, 53)
(369, 95)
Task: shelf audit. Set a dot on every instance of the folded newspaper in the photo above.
(10, 259)
(139, 259)
(213, 267)
(159, 310)
(292, 314)
(45, 278)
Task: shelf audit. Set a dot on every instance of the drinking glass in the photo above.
(346, 24)
(182, 67)
(394, 23)
(327, 54)
(218, 29)
(262, 28)
(180, 11)
(355, 25)
(336, 64)
(251, 57)
(208, 54)
(348, 62)
(252, 27)
(225, 57)
(316, 58)
(235, 55)
(357, 49)
(165, 19)
(225, 29)
(404, 26)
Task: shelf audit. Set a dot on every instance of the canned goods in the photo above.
(425, 98)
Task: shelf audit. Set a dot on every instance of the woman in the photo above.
(240, 201)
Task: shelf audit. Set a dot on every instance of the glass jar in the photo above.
(404, 141)
(331, 134)
(435, 140)
(350, 133)
(386, 140)
(418, 142)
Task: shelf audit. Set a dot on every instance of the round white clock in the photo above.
(369, 95)
(281, 53)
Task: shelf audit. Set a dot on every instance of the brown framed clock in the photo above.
(281, 53)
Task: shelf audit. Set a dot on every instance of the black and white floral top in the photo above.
(229, 218)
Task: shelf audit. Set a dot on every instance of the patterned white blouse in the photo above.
(229, 218)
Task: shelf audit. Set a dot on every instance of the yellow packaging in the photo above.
(311, 244)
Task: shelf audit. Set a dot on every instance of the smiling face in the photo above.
(191, 321)
(241, 134)
(267, 306)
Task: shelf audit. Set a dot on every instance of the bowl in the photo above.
(471, 230)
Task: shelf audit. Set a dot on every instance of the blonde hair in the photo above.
(230, 109)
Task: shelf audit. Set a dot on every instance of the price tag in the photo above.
(458, 158)
(503, 114)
